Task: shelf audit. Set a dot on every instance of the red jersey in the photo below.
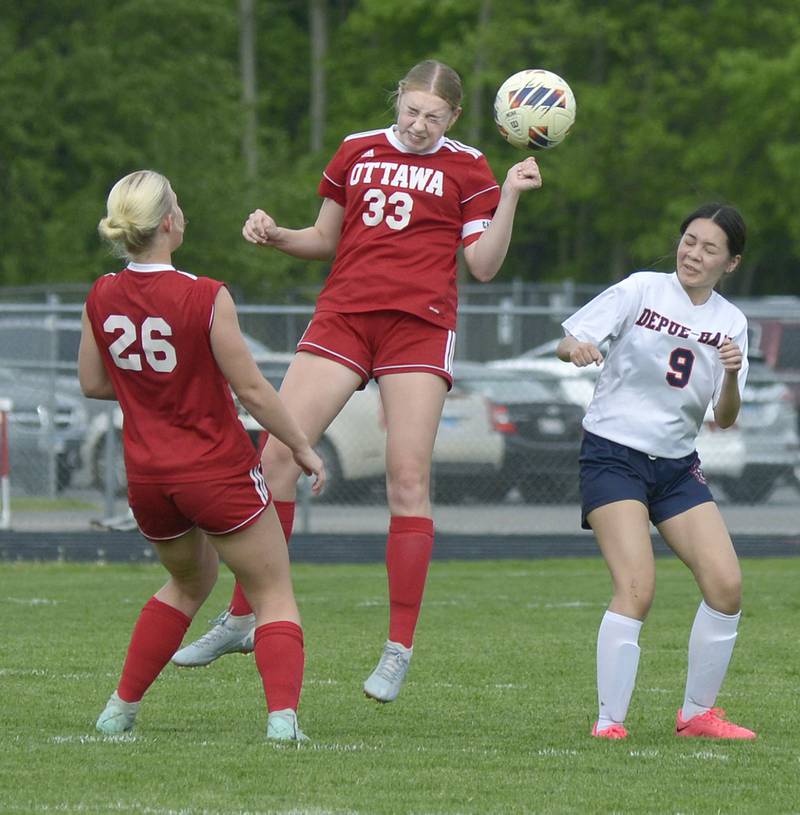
(405, 215)
(152, 325)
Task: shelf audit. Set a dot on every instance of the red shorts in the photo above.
(373, 343)
(167, 511)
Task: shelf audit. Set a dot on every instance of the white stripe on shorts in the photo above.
(257, 477)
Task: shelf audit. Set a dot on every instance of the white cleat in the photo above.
(385, 681)
(230, 635)
(282, 726)
(118, 716)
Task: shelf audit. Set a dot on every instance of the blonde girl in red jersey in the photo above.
(166, 344)
(397, 204)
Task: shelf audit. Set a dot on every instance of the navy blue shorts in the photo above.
(613, 472)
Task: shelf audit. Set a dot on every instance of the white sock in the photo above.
(710, 648)
(617, 662)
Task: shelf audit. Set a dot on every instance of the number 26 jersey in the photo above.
(405, 216)
(152, 325)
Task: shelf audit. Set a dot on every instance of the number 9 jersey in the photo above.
(152, 325)
(662, 367)
(405, 215)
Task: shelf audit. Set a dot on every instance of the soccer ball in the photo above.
(534, 109)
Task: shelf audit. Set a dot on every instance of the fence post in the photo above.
(5, 469)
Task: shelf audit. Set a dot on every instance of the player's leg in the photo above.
(314, 390)
(622, 530)
(699, 537)
(162, 624)
(258, 557)
(412, 405)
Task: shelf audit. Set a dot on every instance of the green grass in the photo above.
(494, 717)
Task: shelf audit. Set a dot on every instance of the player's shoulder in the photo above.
(365, 135)
(365, 140)
(722, 304)
(647, 281)
(460, 149)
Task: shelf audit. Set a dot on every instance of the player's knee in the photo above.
(636, 596)
(278, 463)
(407, 488)
(725, 595)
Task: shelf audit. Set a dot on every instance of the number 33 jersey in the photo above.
(662, 369)
(152, 325)
(405, 215)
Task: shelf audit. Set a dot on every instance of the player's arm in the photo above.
(256, 395)
(730, 401)
(317, 242)
(92, 375)
(485, 256)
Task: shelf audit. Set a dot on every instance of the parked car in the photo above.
(353, 447)
(540, 428)
(722, 452)
(769, 422)
(45, 429)
(778, 340)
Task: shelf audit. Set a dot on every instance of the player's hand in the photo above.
(311, 464)
(260, 228)
(585, 353)
(524, 175)
(730, 355)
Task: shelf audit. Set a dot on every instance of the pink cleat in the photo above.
(615, 731)
(711, 725)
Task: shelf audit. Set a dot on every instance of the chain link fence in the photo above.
(509, 433)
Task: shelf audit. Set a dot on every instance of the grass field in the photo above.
(494, 717)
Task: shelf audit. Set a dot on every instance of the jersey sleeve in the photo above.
(604, 317)
(334, 177)
(481, 195)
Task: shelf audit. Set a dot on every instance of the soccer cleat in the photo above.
(282, 726)
(711, 725)
(614, 731)
(230, 635)
(384, 683)
(118, 716)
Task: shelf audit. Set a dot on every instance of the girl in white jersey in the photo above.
(397, 204)
(674, 347)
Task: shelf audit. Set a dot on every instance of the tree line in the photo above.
(242, 102)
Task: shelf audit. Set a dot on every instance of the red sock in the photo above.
(239, 605)
(280, 660)
(285, 510)
(156, 636)
(408, 553)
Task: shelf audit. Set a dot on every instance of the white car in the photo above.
(354, 446)
(722, 452)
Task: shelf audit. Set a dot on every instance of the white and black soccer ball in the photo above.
(534, 109)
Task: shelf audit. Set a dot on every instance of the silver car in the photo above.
(46, 428)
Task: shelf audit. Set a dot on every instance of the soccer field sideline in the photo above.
(131, 547)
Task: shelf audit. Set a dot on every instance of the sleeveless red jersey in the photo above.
(405, 216)
(152, 325)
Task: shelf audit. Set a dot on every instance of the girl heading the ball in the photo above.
(397, 203)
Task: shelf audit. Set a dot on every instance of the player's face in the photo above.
(703, 256)
(422, 119)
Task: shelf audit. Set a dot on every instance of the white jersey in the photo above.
(662, 368)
